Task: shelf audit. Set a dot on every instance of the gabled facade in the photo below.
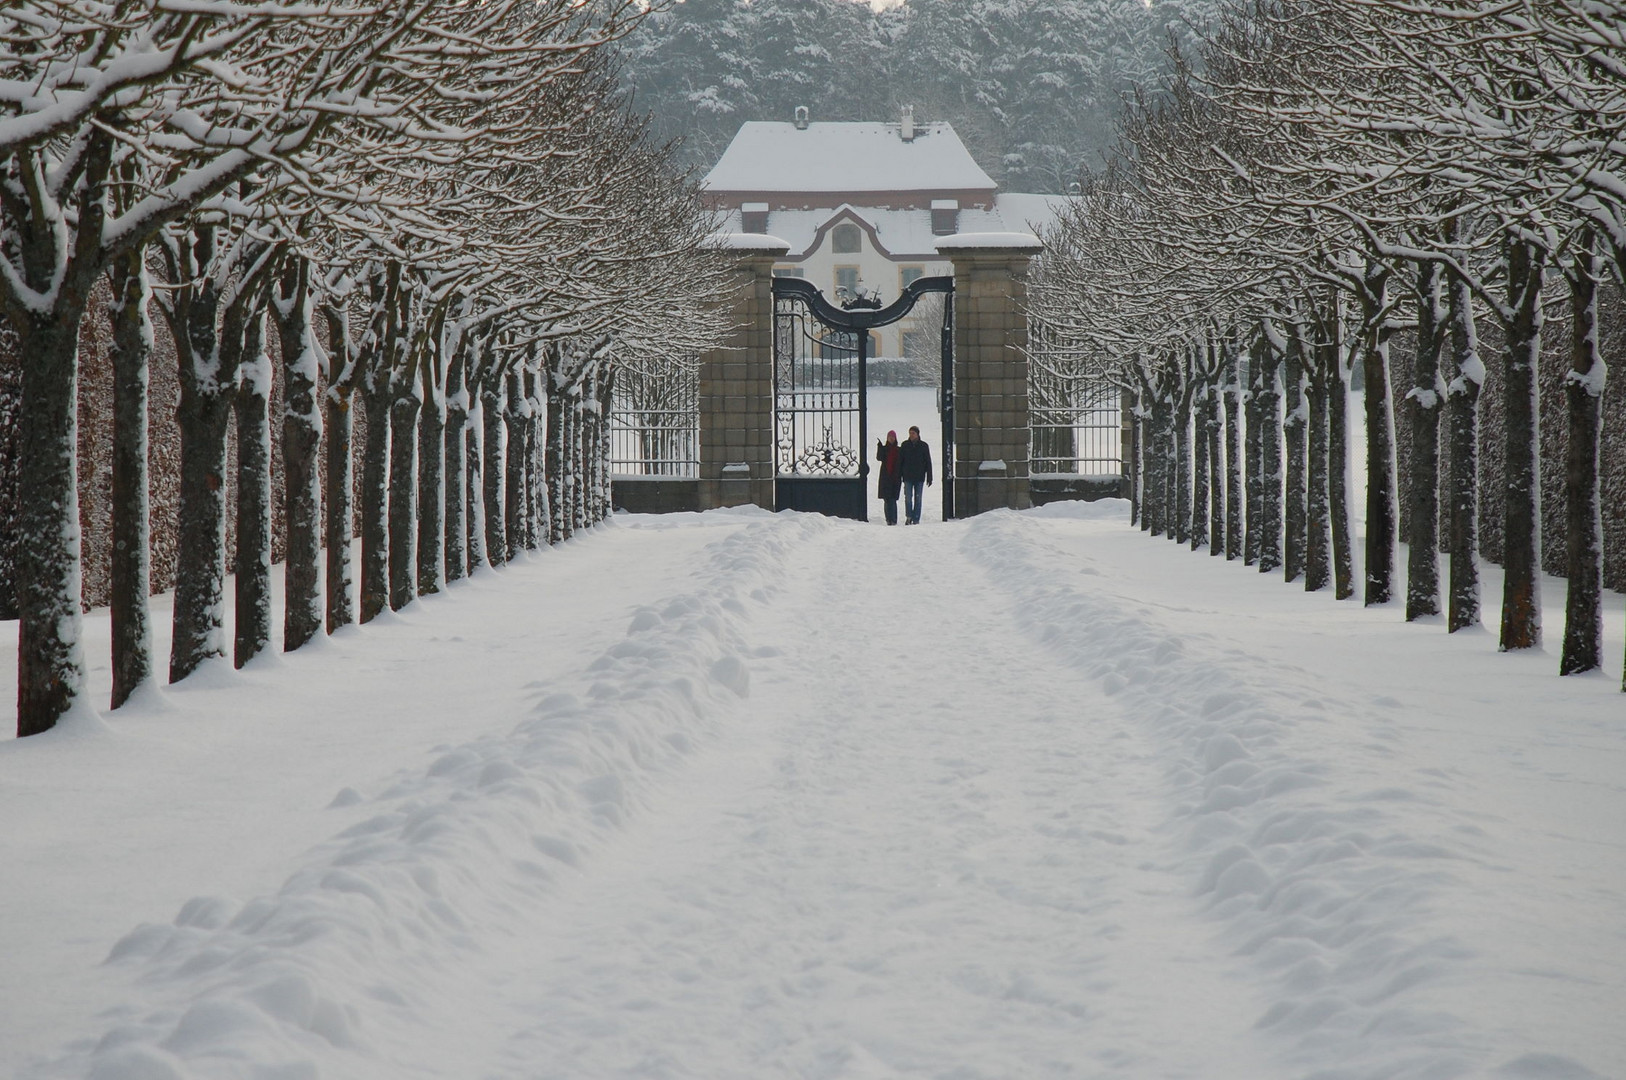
(863, 205)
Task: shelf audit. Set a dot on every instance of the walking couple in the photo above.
(906, 467)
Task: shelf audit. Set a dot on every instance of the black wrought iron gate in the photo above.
(821, 396)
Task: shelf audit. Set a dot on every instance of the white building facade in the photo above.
(863, 205)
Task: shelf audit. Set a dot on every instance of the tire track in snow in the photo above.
(1334, 906)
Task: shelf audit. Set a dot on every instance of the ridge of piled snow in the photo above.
(1334, 898)
(360, 939)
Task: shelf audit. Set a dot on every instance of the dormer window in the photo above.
(846, 240)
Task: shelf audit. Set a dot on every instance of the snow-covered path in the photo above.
(925, 853)
(1027, 796)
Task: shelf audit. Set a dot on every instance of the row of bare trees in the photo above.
(1325, 175)
(431, 209)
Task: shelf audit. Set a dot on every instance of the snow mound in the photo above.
(1317, 884)
(1077, 510)
(362, 940)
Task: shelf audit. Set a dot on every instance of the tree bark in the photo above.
(203, 417)
(403, 497)
(535, 454)
(1317, 505)
(1343, 538)
(1521, 490)
(1253, 440)
(473, 502)
(1583, 392)
(432, 511)
(301, 445)
(340, 500)
(1234, 496)
(1467, 378)
(1180, 519)
(50, 656)
(558, 436)
(1381, 514)
(129, 610)
(1293, 428)
(1422, 483)
(456, 446)
(252, 406)
(1200, 472)
(1270, 462)
(50, 653)
(514, 407)
(494, 460)
(1131, 407)
(375, 478)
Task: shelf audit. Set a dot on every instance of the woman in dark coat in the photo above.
(890, 455)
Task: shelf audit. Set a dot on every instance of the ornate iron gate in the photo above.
(821, 396)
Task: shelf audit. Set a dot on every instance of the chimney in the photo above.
(907, 127)
(754, 217)
(945, 217)
(801, 118)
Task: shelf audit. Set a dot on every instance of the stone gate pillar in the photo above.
(993, 435)
(736, 384)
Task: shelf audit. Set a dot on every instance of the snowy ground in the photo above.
(740, 795)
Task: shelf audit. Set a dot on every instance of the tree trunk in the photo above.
(558, 412)
(340, 504)
(1253, 440)
(473, 502)
(535, 454)
(1317, 505)
(1230, 402)
(584, 453)
(50, 656)
(601, 455)
(456, 445)
(1214, 422)
(1199, 472)
(1521, 491)
(492, 473)
(252, 406)
(1422, 483)
(432, 511)
(1583, 393)
(1467, 378)
(1131, 407)
(1343, 538)
(129, 610)
(1293, 427)
(203, 417)
(403, 500)
(514, 474)
(301, 445)
(50, 652)
(1270, 463)
(1180, 520)
(375, 480)
(1380, 445)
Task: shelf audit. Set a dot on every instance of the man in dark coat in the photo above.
(917, 470)
(890, 455)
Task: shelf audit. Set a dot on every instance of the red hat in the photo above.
(892, 435)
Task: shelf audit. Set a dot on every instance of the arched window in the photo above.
(846, 240)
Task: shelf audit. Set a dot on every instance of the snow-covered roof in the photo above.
(769, 156)
(1032, 213)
